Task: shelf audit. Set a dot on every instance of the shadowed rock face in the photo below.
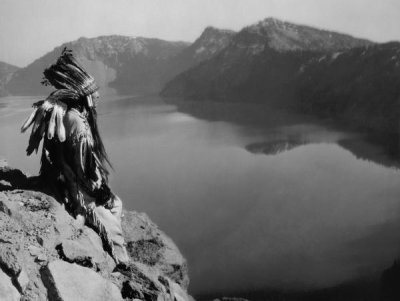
(46, 255)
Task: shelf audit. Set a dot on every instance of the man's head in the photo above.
(68, 74)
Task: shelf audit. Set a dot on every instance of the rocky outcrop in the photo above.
(45, 254)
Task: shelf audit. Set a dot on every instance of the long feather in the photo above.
(35, 138)
(52, 124)
(28, 122)
(60, 124)
(38, 119)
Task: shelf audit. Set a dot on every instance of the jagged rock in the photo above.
(87, 250)
(180, 294)
(7, 291)
(9, 261)
(22, 280)
(136, 282)
(41, 258)
(71, 282)
(149, 245)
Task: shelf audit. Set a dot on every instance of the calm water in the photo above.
(279, 203)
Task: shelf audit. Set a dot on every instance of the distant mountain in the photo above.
(209, 44)
(301, 68)
(284, 36)
(124, 63)
(5, 72)
(270, 49)
(361, 85)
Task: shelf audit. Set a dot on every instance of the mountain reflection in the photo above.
(274, 147)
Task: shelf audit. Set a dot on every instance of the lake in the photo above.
(254, 197)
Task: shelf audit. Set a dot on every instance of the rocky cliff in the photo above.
(46, 255)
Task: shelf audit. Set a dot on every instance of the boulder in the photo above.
(71, 282)
(87, 250)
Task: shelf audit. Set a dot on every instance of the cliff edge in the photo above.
(46, 255)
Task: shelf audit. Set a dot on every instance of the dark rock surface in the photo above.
(45, 254)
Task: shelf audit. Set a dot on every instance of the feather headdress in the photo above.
(67, 73)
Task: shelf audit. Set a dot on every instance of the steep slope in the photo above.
(125, 63)
(270, 49)
(361, 85)
(5, 72)
(210, 43)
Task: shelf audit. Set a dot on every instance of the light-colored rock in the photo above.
(87, 250)
(34, 251)
(7, 291)
(178, 293)
(87, 245)
(5, 185)
(23, 280)
(71, 282)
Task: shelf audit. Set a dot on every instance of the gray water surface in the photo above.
(280, 203)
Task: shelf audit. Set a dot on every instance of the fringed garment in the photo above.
(69, 162)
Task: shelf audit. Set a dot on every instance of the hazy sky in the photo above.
(30, 28)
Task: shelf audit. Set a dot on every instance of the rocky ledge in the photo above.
(46, 255)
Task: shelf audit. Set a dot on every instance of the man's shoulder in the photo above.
(75, 122)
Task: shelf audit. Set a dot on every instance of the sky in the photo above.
(31, 28)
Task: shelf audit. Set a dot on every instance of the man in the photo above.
(74, 163)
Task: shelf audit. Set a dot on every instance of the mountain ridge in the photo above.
(322, 73)
(106, 57)
(123, 64)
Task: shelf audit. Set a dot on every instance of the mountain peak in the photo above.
(285, 36)
(211, 32)
(211, 41)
